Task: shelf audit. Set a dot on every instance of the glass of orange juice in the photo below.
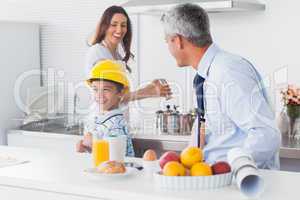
(100, 151)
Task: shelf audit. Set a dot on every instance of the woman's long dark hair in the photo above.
(104, 25)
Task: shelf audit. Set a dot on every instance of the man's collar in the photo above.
(207, 59)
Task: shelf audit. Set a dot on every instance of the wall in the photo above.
(270, 39)
(65, 25)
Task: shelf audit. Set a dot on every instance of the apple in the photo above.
(167, 157)
(221, 167)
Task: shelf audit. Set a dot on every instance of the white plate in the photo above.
(92, 172)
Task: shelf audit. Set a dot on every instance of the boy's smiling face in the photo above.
(106, 95)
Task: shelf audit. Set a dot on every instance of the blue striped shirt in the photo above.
(237, 110)
(110, 123)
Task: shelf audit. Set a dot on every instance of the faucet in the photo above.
(75, 99)
(71, 117)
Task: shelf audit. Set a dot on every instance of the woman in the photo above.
(114, 31)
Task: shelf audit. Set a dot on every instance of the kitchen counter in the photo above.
(57, 174)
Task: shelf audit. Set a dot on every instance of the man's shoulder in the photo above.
(229, 67)
(226, 61)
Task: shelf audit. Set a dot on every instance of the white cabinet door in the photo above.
(56, 142)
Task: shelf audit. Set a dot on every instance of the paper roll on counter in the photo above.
(245, 172)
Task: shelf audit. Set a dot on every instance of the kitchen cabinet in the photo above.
(161, 143)
(20, 69)
(290, 164)
(290, 155)
(15, 193)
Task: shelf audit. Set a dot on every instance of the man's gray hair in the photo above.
(190, 21)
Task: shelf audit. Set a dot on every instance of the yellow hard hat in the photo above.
(109, 70)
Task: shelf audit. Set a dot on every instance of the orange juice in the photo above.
(100, 151)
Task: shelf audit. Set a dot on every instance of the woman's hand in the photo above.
(158, 88)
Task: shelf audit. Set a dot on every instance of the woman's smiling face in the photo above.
(117, 29)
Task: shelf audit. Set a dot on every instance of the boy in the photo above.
(109, 83)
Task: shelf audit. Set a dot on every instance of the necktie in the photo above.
(198, 85)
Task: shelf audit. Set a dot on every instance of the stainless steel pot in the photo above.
(186, 123)
(172, 122)
(161, 120)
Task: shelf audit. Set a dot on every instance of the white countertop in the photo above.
(63, 173)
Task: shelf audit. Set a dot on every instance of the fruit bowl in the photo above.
(192, 182)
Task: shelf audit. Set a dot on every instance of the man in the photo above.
(230, 95)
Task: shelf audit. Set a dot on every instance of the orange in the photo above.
(191, 155)
(173, 168)
(201, 169)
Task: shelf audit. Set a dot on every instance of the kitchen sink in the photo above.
(52, 126)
